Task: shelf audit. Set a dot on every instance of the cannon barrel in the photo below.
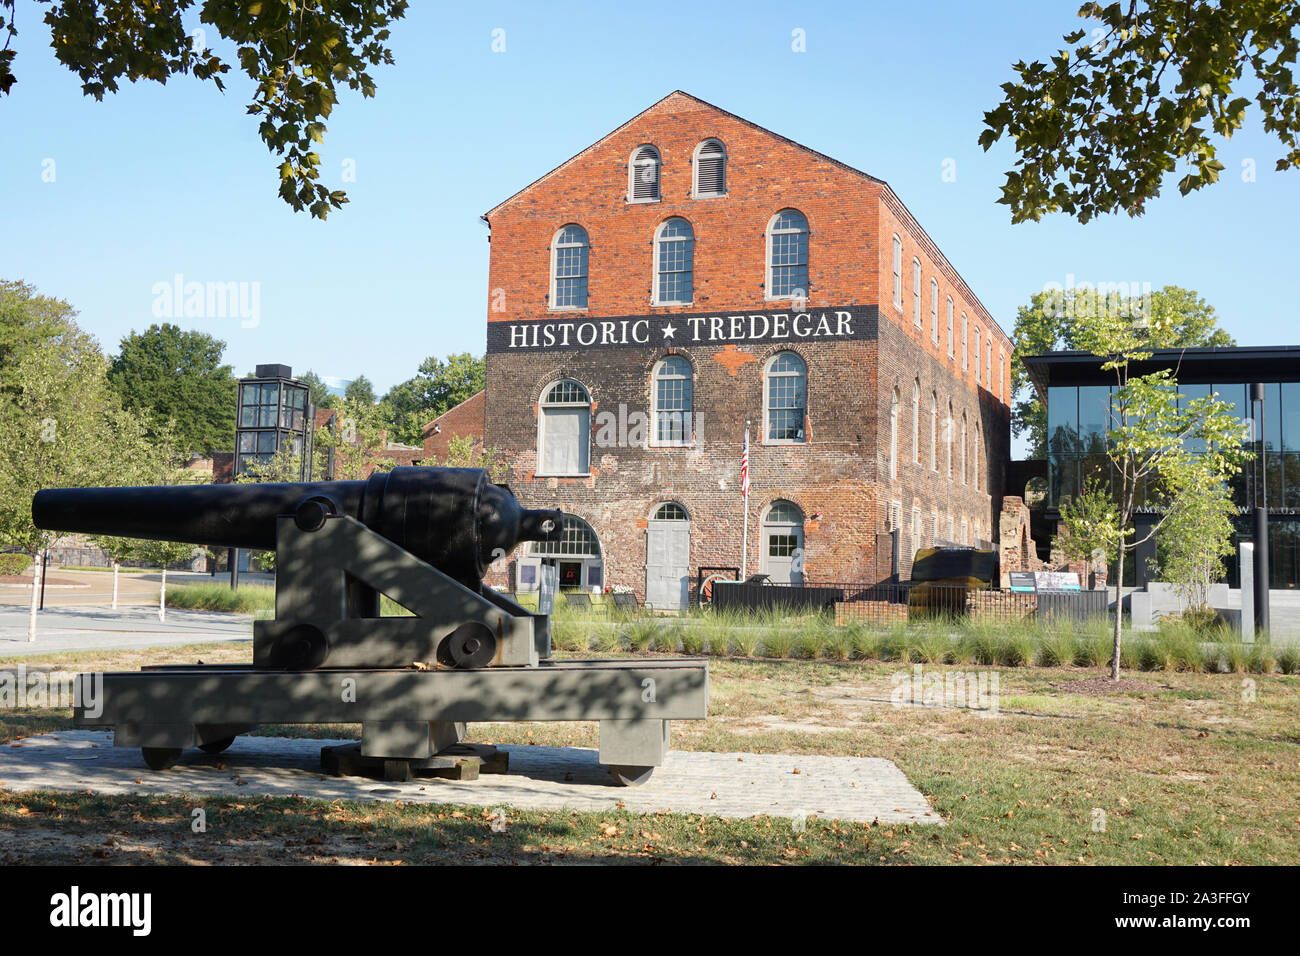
(453, 518)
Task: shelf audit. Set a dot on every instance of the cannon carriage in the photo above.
(424, 537)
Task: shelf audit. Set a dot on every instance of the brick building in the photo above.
(690, 274)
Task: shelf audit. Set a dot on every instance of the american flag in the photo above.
(744, 467)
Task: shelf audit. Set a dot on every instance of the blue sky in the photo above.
(159, 181)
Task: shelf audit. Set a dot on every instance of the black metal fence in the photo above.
(908, 601)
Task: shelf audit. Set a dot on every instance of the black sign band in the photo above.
(836, 324)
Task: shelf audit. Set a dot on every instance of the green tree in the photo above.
(1195, 540)
(1169, 318)
(61, 425)
(1162, 448)
(359, 391)
(356, 440)
(462, 452)
(438, 386)
(298, 55)
(319, 392)
(168, 374)
(1150, 87)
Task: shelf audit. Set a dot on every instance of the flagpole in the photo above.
(744, 514)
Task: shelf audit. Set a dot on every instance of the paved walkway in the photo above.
(62, 629)
(861, 789)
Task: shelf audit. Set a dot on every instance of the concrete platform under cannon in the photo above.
(540, 778)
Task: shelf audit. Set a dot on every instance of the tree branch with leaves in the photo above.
(298, 53)
(1150, 86)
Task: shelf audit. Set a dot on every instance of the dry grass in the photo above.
(1203, 769)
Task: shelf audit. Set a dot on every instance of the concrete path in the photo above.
(541, 778)
(62, 629)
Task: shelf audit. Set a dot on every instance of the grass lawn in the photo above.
(1200, 768)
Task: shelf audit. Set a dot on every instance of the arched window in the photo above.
(934, 432)
(670, 511)
(988, 363)
(1002, 362)
(965, 475)
(934, 311)
(710, 169)
(564, 429)
(674, 263)
(916, 422)
(569, 268)
(787, 244)
(893, 434)
(977, 354)
(951, 352)
(949, 426)
(965, 345)
(787, 398)
(916, 292)
(576, 540)
(898, 273)
(674, 401)
(979, 458)
(643, 175)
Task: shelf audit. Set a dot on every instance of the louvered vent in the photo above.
(645, 174)
(711, 169)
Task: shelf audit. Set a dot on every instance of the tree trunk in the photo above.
(115, 566)
(162, 596)
(1119, 613)
(37, 560)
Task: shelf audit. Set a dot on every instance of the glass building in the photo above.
(1078, 394)
(275, 412)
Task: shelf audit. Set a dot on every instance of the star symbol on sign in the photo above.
(668, 331)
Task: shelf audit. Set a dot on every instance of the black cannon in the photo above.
(423, 537)
(453, 518)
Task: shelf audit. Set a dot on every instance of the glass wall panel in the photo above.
(1063, 473)
(1094, 418)
(1283, 553)
(1062, 420)
(1291, 416)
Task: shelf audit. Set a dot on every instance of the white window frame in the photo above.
(555, 255)
(988, 362)
(916, 422)
(934, 431)
(542, 405)
(792, 296)
(979, 337)
(656, 374)
(695, 170)
(934, 311)
(916, 293)
(949, 427)
(633, 165)
(895, 401)
(898, 273)
(952, 352)
(655, 264)
(965, 330)
(965, 475)
(768, 376)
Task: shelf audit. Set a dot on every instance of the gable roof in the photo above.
(694, 99)
(890, 198)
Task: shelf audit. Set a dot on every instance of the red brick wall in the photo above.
(837, 475)
(464, 419)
